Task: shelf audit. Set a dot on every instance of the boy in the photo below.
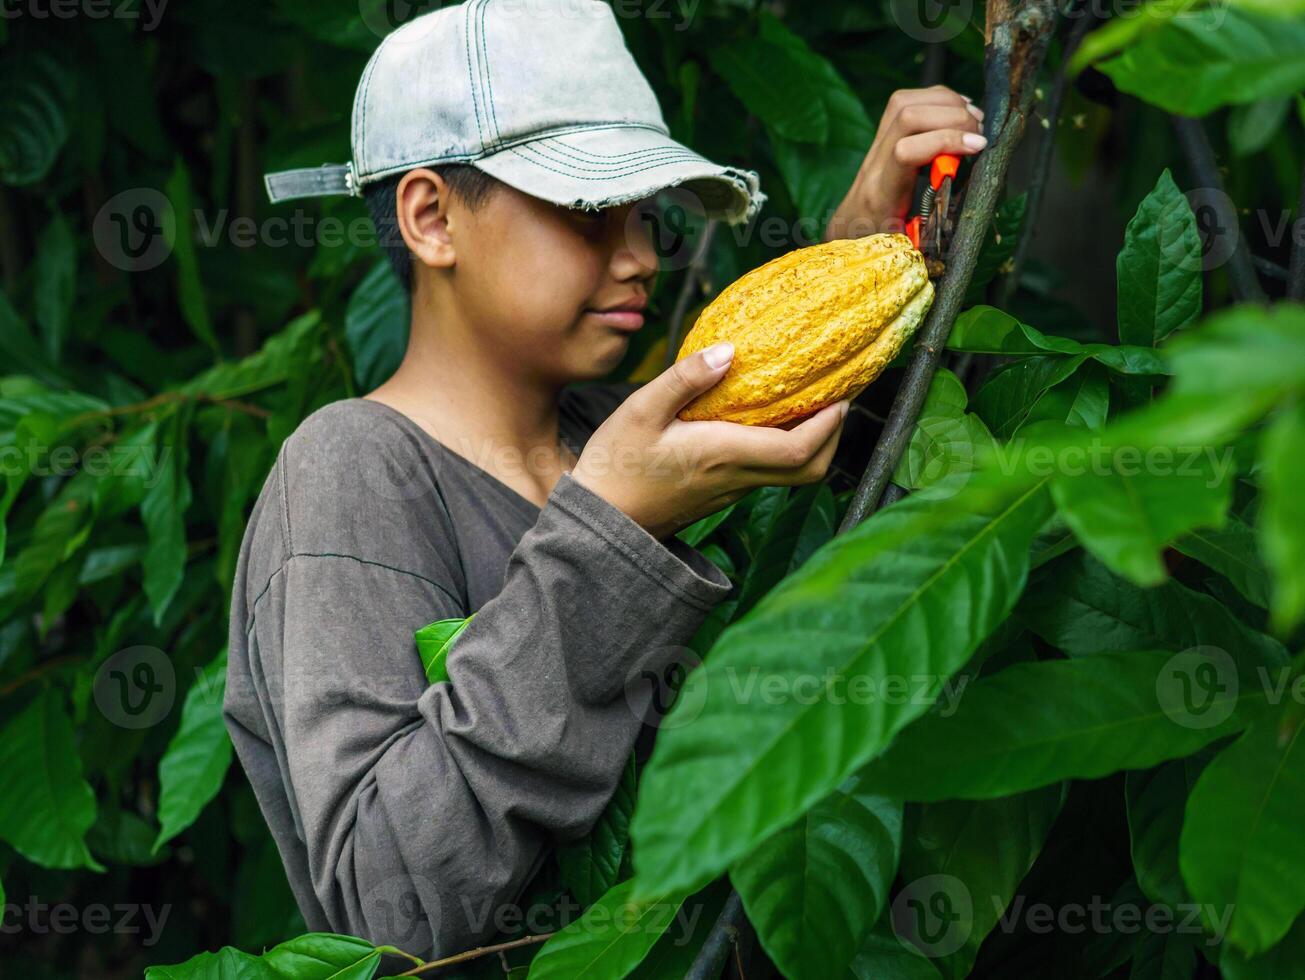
(511, 147)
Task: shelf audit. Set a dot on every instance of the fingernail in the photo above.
(975, 111)
(718, 355)
(973, 141)
(966, 97)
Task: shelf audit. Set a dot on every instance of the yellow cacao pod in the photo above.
(809, 328)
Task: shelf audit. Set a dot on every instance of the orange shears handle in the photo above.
(944, 165)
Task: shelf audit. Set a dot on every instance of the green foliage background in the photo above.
(140, 410)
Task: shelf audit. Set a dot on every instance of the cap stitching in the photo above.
(585, 156)
(429, 161)
(601, 175)
(471, 80)
(484, 59)
(360, 137)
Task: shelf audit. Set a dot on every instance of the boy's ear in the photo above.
(422, 209)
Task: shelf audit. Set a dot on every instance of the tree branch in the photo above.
(1018, 33)
(473, 954)
(1200, 157)
(724, 935)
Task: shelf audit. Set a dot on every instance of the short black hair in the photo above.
(470, 184)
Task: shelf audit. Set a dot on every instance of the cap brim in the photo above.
(610, 165)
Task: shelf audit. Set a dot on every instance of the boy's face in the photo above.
(541, 283)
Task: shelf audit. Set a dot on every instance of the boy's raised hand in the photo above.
(666, 473)
(917, 125)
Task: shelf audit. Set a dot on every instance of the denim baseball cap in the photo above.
(541, 94)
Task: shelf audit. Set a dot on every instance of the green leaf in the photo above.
(805, 523)
(983, 849)
(590, 866)
(1012, 392)
(1159, 269)
(1247, 353)
(988, 330)
(609, 940)
(433, 644)
(1241, 844)
(885, 957)
(163, 511)
(1033, 724)
(1120, 32)
(1286, 961)
(909, 593)
(776, 85)
(315, 956)
(1156, 799)
(46, 807)
(272, 365)
(813, 889)
(1128, 510)
(376, 326)
(819, 175)
(1281, 525)
(1204, 59)
(1080, 607)
(1232, 552)
(1164, 955)
(197, 757)
(190, 289)
(56, 277)
(699, 531)
(22, 352)
(1251, 127)
(36, 90)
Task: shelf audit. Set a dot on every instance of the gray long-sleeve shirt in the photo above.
(413, 813)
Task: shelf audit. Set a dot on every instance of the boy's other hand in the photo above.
(666, 473)
(917, 125)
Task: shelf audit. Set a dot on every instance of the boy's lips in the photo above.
(626, 316)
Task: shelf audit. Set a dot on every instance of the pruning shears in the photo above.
(930, 230)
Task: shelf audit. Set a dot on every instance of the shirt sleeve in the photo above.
(425, 808)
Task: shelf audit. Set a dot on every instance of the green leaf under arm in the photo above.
(590, 866)
(1033, 724)
(609, 940)
(909, 594)
(813, 889)
(433, 644)
(198, 756)
(1241, 843)
(1159, 269)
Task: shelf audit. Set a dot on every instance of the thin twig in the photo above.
(1200, 157)
(724, 934)
(1082, 17)
(473, 954)
(1017, 45)
(1267, 267)
(1296, 275)
(691, 287)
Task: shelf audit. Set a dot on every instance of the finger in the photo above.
(666, 394)
(916, 119)
(812, 470)
(919, 150)
(769, 448)
(934, 95)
